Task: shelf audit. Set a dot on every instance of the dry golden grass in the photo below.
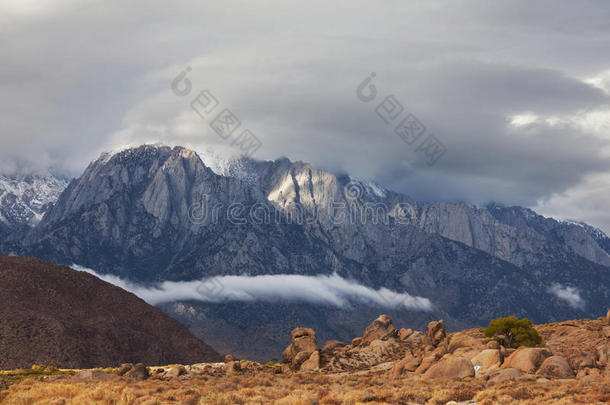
(297, 389)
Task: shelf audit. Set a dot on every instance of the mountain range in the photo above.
(155, 213)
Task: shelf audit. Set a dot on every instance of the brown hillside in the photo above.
(54, 315)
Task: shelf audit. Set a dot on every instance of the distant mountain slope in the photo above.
(57, 316)
(584, 240)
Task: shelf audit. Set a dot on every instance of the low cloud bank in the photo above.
(322, 289)
(570, 295)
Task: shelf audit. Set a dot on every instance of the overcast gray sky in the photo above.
(517, 91)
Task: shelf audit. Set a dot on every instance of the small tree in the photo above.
(513, 332)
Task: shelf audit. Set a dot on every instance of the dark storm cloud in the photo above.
(505, 86)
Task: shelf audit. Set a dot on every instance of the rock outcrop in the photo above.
(464, 354)
(138, 372)
(555, 367)
(435, 333)
(312, 363)
(381, 328)
(487, 359)
(409, 363)
(499, 376)
(527, 359)
(379, 344)
(232, 368)
(450, 368)
(403, 334)
(302, 351)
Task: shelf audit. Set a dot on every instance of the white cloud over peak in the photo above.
(79, 77)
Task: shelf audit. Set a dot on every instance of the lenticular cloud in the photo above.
(321, 289)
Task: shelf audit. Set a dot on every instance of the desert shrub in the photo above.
(463, 393)
(42, 369)
(521, 393)
(513, 332)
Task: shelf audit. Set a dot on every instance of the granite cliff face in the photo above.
(157, 213)
(582, 239)
(514, 234)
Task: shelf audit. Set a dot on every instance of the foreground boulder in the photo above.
(499, 376)
(527, 359)
(555, 367)
(416, 337)
(232, 367)
(426, 363)
(138, 372)
(582, 360)
(403, 333)
(124, 368)
(312, 363)
(175, 372)
(408, 364)
(451, 368)
(487, 359)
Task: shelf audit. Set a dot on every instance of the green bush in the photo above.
(42, 369)
(513, 332)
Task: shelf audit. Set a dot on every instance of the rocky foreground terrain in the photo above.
(384, 366)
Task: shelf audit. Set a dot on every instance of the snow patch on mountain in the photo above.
(24, 199)
(596, 233)
(370, 187)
